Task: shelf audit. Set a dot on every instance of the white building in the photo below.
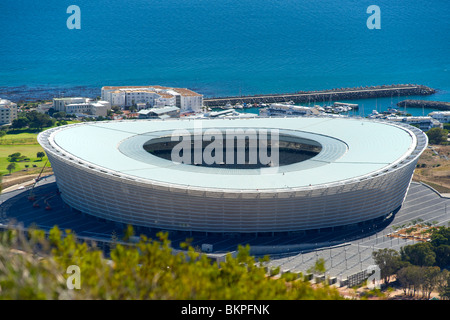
(44, 107)
(59, 104)
(423, 123)
(77, 105)
(441, 116)
(153, 96)
(161, 113)
(283, 110)
(8, 111)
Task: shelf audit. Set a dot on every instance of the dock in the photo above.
(438, 105)
(325, 95)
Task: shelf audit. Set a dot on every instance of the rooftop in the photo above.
(157, 89)
(351, 148)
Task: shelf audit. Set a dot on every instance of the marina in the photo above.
(314, 97)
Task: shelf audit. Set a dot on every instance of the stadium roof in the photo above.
(351, 149)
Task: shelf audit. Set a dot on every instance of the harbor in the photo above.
(313, 97)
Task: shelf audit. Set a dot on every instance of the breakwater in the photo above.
(438, 105)
(22, 94)
(325, 95)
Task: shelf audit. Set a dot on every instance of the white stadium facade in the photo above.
(333, 172)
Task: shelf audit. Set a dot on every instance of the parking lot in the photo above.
(346, 251)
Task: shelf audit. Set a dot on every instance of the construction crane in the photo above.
(47, 204)
(32, 196)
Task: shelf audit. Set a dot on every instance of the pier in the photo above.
(325, 95)
(438, 105)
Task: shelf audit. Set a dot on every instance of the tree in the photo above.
(388, 260)
(16, 157)
(443, 286)
(430, 280)
(40, 154)
(2, 134)
(39, 120)
(19, 123)
(148, 269)
(59, 115)
(419, 254)
(437, 135)
(409, 279)
(11, 167)
(318, 267)
(132, 108)
(440, 236)
(442, 256)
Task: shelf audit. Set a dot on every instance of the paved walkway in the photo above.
(345, 252)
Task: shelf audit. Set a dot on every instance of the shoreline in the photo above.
(427, 104)
(317, 96)
(24, 93)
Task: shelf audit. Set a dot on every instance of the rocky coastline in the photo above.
(438, 105)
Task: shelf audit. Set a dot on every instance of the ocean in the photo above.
(223, 47)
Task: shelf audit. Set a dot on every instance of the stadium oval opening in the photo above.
(235, 148)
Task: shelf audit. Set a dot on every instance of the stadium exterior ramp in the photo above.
(362, 173)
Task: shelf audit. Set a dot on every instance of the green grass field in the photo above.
(19, 137)
(26, 150)
(24, 142)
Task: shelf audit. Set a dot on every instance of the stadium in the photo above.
(328, 173)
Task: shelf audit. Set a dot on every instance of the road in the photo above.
(345, 252)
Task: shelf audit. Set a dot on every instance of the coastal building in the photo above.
(423, 123)
(154, 97)
(78, 105)
(44, 107)
(161, 113)
(283, 110)
(8, 111)
(441, 116)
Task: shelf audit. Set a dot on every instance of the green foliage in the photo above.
(17, 157)
(372, 293)
(437, 135)
(388, 260)
(19, 123)
(443, 286)
(59, 115)
(418, 267)
(415, 278)
(419, 254)
(410, 278)
(61, 123)
(11, 167)
(440, 237)
(148, 269)
(33, 119)
(318, 268)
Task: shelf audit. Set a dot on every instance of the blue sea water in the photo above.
(223, 47)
